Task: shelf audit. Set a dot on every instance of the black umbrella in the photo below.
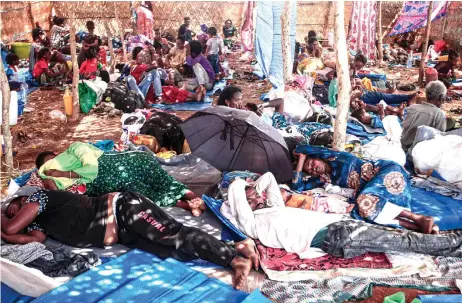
(232, 139)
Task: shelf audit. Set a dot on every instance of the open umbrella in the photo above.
(232, 139)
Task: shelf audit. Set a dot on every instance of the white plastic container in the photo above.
(13, 108)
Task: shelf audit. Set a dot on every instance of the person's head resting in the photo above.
(136, 50)
(436, 93)
(187, 21)
(361, 115)
(228, 23)
(58, 21)
(359, 61)
(453, 57)
(15, 206)
(90, 26)
(196, 48)
(311, 34)
(231, 96)
(180, 40)
(212, 31)
(315, 167)
(12, 59)
(43, 158)
(44, 53)
(255, 200)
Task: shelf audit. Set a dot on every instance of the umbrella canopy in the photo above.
(232, 139)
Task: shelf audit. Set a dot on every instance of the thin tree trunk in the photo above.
(285, 39)
(111, 49)
(343, 78)
(8, 140)
(75, 70)
(425, 46)
(121, 31)
(380, 47)
(325, 32)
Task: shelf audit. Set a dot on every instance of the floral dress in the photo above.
(376, 183)
(137, 172)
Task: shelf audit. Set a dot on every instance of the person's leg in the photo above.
(416, 222)
(348, 239)
(151, 78)
(142, 218)
(201, 74)
(131, 84)
(370, 97)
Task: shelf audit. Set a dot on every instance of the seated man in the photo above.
(268, 220)
(428, 113)
(127, 218)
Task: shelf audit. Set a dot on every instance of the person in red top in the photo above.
(42, 73)
(89, 67)
(440, 45)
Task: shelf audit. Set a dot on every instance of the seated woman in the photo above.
(42, 73)
(204, 76)
(229, 33)
(446, 69)
(381, 187)
(128, 218)
(103, 173)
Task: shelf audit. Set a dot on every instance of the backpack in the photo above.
(124, 99)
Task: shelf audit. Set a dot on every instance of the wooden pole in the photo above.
(5, 88)
(285, 39)
(425, 47)
(109, 43)
(325, 32)
(121, 31)
(75, 70)
(379, 21)
(343, 78)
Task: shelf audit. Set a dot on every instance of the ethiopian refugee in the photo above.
(104, 173)
(204, 76)
(127, 218)
(446, 69)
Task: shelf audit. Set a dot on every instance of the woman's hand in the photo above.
(53, 173)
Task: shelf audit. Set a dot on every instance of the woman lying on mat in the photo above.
(127, 218)
(108, 172)
(382, 188)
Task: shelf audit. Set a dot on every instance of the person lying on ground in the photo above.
(382, 109)
(108, 172)
(258, 210)
(382, 188)
(428, 113)
(42, 73)
(204, 75)
(128, 218)
(445, 69)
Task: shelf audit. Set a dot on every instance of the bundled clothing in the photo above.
(382, 188)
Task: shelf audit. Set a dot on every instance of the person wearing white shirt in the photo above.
(214, 48)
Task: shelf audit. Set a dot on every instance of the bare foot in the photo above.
(401, 111)
(247, 249)
(425, 223)
(241, 267)
(196, 205)
(435, 230)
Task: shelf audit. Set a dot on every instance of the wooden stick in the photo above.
(6, 96)
(326, 20)
(343, 78)
(380, 47)
(111, 49)
(75, 70)
(285, 39)
(425, 46)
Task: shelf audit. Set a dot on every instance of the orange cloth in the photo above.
(300, 201)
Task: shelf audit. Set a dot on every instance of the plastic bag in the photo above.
(87, 97)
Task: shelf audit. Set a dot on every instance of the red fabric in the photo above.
(174, 94)
(439, 45)
(40, 67)
(145, 21)
(280, 260)
(103, 55)
(137, 71)
(363, 26)
(89, 66)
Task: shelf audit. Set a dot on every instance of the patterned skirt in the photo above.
(137, 172)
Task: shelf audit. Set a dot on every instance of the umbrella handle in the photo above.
(224, 134)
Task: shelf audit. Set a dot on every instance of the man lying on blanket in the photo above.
(296, 230)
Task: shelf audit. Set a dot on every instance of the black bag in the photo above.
(124, 99)
(166, 129)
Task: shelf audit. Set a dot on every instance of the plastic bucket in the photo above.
(22, 49)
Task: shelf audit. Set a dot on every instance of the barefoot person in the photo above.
(381, 188)
(127, 218)
(104, 173)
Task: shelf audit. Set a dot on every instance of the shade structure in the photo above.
(232, 139)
